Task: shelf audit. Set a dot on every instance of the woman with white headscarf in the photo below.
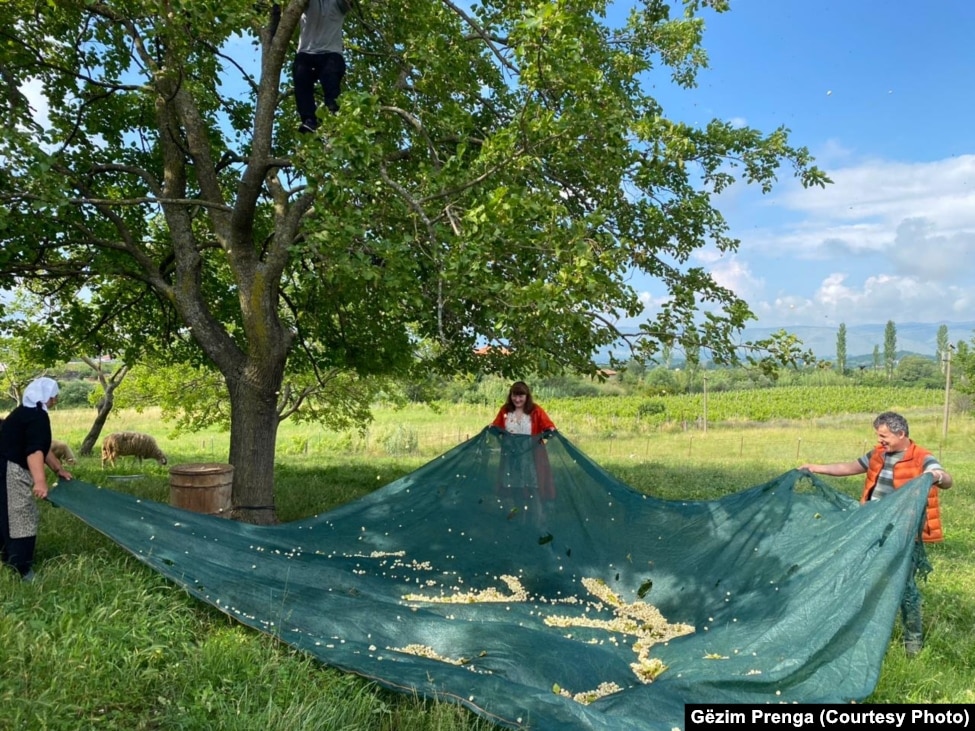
(25, 447)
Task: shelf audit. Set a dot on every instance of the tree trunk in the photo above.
(104, 409)
(109, 384)
(253, 434)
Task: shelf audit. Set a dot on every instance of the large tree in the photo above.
(496, 174)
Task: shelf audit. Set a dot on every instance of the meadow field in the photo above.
(101, 641)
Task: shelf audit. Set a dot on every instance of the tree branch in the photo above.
(488, 38)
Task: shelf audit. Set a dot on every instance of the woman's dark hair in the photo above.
(520, 387)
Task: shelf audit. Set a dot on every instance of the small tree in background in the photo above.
(890, 349)
(963, 375)
(942, 349)
(918, 370)
(110, 377)
(841, 349)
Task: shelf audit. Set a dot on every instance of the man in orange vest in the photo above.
(894, 461)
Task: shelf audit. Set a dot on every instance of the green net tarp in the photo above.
(523, 581)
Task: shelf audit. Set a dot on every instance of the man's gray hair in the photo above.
(893, 421)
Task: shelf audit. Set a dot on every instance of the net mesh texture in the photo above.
(516, 577)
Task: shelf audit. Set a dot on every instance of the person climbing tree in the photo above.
(319, 59)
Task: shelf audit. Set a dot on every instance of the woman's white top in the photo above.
(517, 423)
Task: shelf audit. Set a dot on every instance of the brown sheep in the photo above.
(62, 451)
(129, 443)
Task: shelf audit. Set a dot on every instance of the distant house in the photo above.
(608, 373)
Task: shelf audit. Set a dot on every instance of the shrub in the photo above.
(650, 409)
(74, 394)
(563, 387)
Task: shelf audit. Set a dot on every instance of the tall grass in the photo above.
(101, 641)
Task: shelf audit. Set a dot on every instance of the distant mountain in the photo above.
(917, 338)
(912, 337)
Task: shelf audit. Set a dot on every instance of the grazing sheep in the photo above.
(130, 443)
(62, 451)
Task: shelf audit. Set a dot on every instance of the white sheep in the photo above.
(62, 451)
(130, 443)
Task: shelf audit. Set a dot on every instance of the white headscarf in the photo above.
(40, 391)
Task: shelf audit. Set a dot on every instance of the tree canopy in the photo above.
(495, 175)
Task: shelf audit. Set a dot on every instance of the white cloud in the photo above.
(735, 274)
(651, 303)
(891, 297)
(898, 237)
(942, 191)
(833, 153)
(934, 257)
(877, 299)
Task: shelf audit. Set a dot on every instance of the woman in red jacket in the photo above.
(521, 477)
(521, 415)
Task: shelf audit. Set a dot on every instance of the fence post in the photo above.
(798, 447)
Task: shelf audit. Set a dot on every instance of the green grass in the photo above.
(101, 641)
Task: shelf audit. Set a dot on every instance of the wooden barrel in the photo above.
(203, 487)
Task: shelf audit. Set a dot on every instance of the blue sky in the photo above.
(880, 93)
